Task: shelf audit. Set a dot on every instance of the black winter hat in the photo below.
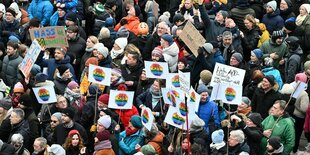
(110, 3)
(62, 69)
(290, 24)
(71, 17)
(69, 112)
(178, 17)
(25, 100)
(10, 10)
(270, 79)
(275, 142)
(277, 34)
(256, 118)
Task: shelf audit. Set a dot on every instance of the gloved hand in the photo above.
(93, 128)
(123, 22)
(201, 50)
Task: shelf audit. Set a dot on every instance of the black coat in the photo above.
(88, 113)
(23, 129)
(61, 133)
(132, 74)
(254, 136)
(243, 147)
(150, 44)
(146, 99)
(250, 41)
(201, 63)
(7, 149)
(5, 129)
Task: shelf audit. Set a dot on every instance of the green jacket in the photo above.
(283, 129)
(269, 47)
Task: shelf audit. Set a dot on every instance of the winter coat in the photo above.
(303, 33)
(157, 142)
(11, 28)
(132, 25)
(105, 152)
(125, 115)
(264, 36)
(301, 105)
(284, 129)
(250, 89)
(10, 73)
(60, 85)
(171, 56)
(212, 27)
(219, 151)
(273, 21)
(142, 40)
(70, 5)
(270, 46)
(132, 73)
(250, 40)
(109, 42)
(34, 125)
(88, 112)
(293, 64)
(240, 148)
(200, 136)
(262, 101)
(41, 9)
(288, 13)
(238, 13)
(77, 49)
(218, 58)
(254, 136)
(106, 62)
(87, 54)
(23, 129)
(151, 43)
(275, 73)
(5, 129)
(54, 19)
(146, 100)
(143, 85)
(61, 133)
(7, 149)
(205, 112)
(127, 143)
(201, 63)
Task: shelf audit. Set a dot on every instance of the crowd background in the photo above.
(270, 40)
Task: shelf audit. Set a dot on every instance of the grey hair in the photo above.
(43, 141)
(19, 112)
(282, 103)
(238, 134)
(227, 34)
(17, 138)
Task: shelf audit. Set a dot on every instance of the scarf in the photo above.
(300, 19)
(225, 52)
(130, 132)
(245, 111)
(89, 49)
(72, 96)
(105, 144)
(115, 53)
(155, 94)
(69, 125)
(217, 146)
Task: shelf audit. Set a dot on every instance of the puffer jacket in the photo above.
(270, 46)
(70, 5)
(132, 26)
(273, 21)
(207, 110)
(171, 56)
(9, 72)
(125, 115)
(293, 64)
(41, 9)
(284, 128)
(127, 145)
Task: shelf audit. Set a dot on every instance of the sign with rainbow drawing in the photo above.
(231, 94)
(227, 74)
(120, 99)
(158, 70)
(172, 96)
(45, 94)
(99, 75)
(147, 118)
(193, 98)
(173, 81)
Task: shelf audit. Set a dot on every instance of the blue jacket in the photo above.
(205, 112)
(41, 9)
(273, 21)
(70, 5)
(54, 19)
(218, 58)
(275, 73)
(128, 144)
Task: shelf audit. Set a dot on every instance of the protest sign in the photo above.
(99, 75)
(193, 98)
(172, 80)
(299, 87)
(147, 118)
(156, 69)
(45, 94)
(227, 74)
(185, 81)
(52, 36)
(230, 94)
(172, 96)
(192, 38)
(30, 58)
(120, 99)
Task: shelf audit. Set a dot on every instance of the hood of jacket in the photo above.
(66, 60)
(297, 51)
(172, 50)
(274, 13)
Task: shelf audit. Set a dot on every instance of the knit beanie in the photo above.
(11, 10)
(158, 51)
(91, 60)
(57, 149)
(121, 42)
(122, 32)
(57, 115)
(256, 118)
(69, 112)
(73, 132)
(208, 47)
(301, 77)
(205, 76)
(277, 34)
(183, 60)
(35, 70)
(258, 53)
(307, 65)
(109, 22)
(289, 3)
(136, 121)
(178, 17)
(290, 24)
(110, 3)
(270, 79)
(72, 85)
(275, 142)
(18, 88)
(105, 121)
(103, 135)
(25, 100)
(273, 5)
(41, 77)
(148, 150)
(168, 38)
(104, 98)
(71, 17)
(102, 49)
(246, 100)
(2, 8)
(306, 6)
(224, 13)
(217, 136)
(5, 104)
(99, 9)
(202, 88)
(197, 123)
(238, 56)
(92, 89)
(62, 69)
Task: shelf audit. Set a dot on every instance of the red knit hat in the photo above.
(122, 87)
(103, 135)
(104, 98)
(91, 60)
(73, 132)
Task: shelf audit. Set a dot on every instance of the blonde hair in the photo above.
(251, 19)
(93, 39)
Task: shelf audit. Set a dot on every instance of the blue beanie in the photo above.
(93, 89)
(136, 121)
(258, 53)
(217, 136)
(168, 38)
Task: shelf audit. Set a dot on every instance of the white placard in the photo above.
(45, 94)
(99, 75)
(230, 94)
(121, 99)
(147, 118)
(157, 70)
(185, 81)
(227, 74)
(173, 81)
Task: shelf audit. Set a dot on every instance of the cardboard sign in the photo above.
(30, 58)
(227, 74)
(99, 75)
(227, 93)
(45, 94)
(147, 118)
(53, 36)
(121, 99)
(192, 38)
(155, 9)
(156, 69)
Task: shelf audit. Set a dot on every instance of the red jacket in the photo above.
(125, 115)
(132, 26)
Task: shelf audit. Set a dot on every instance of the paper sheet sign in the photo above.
(121, 99)
(147, 118)
(99, 75)
(45, 94)
(30, 58)
(299, 87)
(156, 69)
(185, 81)
(193, 98)
(230, 94)
(172, 96)
(173, 81)
(227, 74)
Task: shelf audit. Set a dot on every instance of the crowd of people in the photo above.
(268, 39)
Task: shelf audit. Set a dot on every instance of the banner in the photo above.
(45, 94)
(157, 70)
(173, 81)
(227, 74)
(227, 93)
(147, 118)
(30, 58)
(52, 36)
(99, 75)
(121, 99)
(185, 81)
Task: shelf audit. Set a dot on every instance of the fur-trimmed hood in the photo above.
(275, 87)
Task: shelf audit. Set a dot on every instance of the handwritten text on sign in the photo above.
(227, 74)
(53, 36)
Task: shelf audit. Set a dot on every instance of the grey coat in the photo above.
(9, 71)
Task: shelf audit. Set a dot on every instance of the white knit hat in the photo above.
(2, 8)
(307, 7)
(105, 121)
(102, 49)
(121, 42)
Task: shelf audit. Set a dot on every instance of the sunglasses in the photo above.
(53, 121)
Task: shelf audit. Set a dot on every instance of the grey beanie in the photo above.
(273, 5)
(246, 100)
(202, 88)
(238, 56)
(197, 123)
(208, 47)
(102, 49)
(57, 115)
